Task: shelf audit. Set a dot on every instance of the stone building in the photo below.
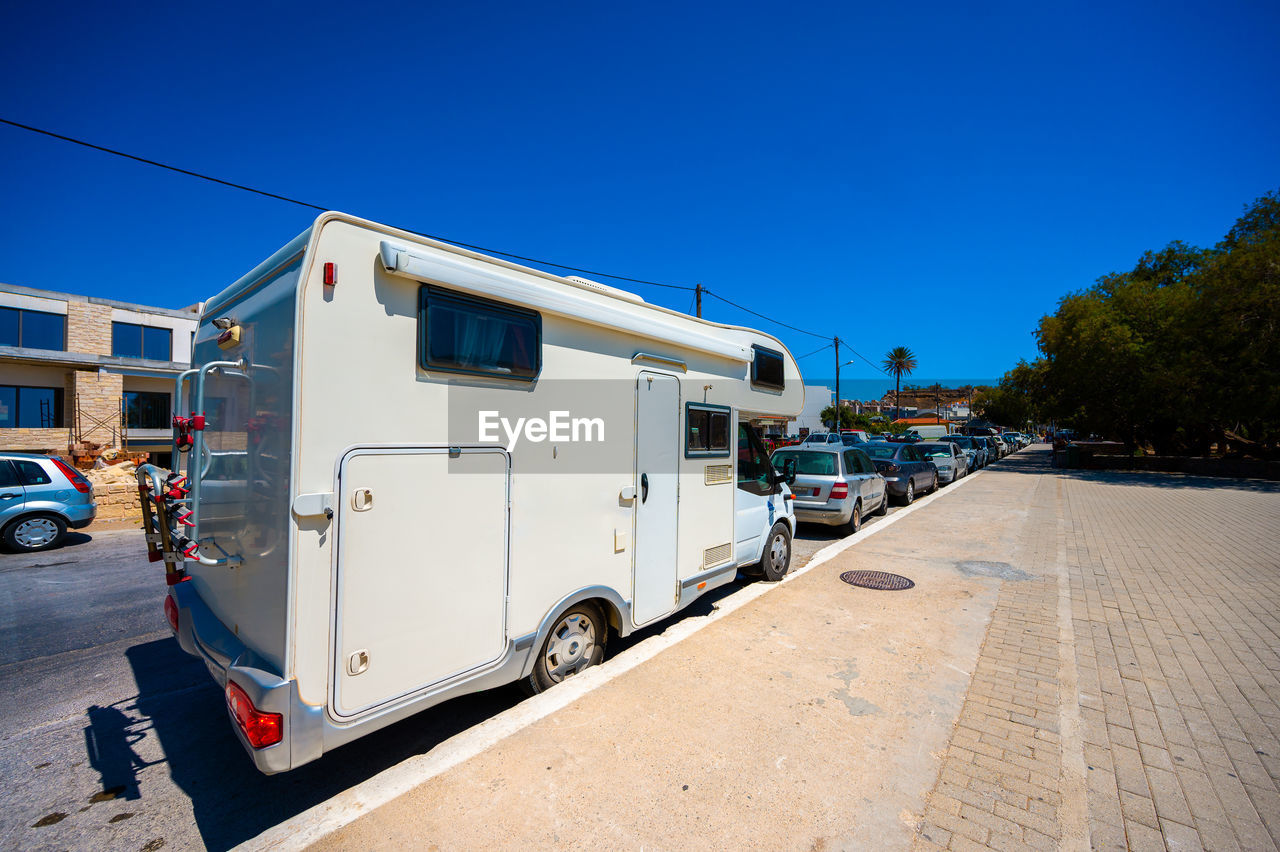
(79, 374)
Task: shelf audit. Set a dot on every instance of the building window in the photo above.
(706, 432)
(141, 341)
(463, 334)
(30, 408)
(33, 329)
(766, 369)
(146, 410)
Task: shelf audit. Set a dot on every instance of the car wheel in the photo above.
(576, 643)
(776, 558)
(35, 532)
(910, 495)
(855, 519)
(884, 504)
(934, 487)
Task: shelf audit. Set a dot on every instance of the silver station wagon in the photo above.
(835, 485)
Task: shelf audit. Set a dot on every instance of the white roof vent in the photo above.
(604, 288)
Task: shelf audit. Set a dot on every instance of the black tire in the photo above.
(855, 520)
(775, 561)
(935, 483)
(884, 505)
(33, 533)
(909, 497)
(576, 642)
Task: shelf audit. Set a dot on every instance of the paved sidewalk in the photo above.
(1087, 659)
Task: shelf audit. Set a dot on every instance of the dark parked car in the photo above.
(905, 469)
(975, 449)
(40, 496)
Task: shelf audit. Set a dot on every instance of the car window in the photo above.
(935, 451)
(879, 451)
(910, 454)
(8, 477)
(31, 473)
(808, 462)
(753, 463)
(816, 438)
(851, 463)
(864, 463)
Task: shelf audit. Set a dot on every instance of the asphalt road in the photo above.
(112, 737)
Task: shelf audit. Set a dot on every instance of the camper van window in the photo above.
(753, 463)
(462, 334)
(766, 369)
(707, 431)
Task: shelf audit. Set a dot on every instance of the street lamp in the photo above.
(837, 407)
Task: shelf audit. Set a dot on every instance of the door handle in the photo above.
(7, 496)
(644, 487)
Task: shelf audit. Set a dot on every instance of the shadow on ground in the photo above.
(180, 705)
(71, 539)
(1037, 461)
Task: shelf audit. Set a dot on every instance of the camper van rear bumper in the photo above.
(202, 635)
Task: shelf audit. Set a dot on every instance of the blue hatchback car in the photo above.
(40, 496)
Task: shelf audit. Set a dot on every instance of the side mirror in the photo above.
(789, 470)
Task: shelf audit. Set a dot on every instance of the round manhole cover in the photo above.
(877, 580)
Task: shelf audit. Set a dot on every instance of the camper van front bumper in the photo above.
(202, 635)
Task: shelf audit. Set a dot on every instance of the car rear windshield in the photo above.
(807, 463)
(879, 451)
(935, 451)
(967, 443)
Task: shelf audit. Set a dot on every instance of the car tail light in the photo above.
(76, 479)
(839, 491)
(890, 467)
(171, 612)
(260, 729)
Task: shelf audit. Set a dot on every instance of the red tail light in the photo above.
(260, 729)
(171, 612)
(839, 491)
(891, 468)
(77, 481)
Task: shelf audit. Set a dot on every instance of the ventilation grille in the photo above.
(716, 555)
(717, 474)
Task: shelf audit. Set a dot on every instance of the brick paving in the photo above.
(1127, 694)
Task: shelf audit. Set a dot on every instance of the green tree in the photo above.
(899, 360)
(847, 417)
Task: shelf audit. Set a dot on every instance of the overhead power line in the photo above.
(322, 208)
(763, 317)
(816, 351)
(860, 355)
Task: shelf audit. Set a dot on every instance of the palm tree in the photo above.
(899, 360)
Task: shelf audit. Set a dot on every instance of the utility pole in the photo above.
(698, 292)
(837, 417)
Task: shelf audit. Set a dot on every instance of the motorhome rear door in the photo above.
(422, 570)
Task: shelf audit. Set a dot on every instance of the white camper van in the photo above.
(414, 471)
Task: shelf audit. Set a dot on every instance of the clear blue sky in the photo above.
(933, 175)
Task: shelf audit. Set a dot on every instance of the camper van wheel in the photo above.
(575, 643)
(776, 558)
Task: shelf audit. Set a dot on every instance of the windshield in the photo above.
(879, 451)
(807, 463)
(967, 443)
(935, 451)
(816, 438)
